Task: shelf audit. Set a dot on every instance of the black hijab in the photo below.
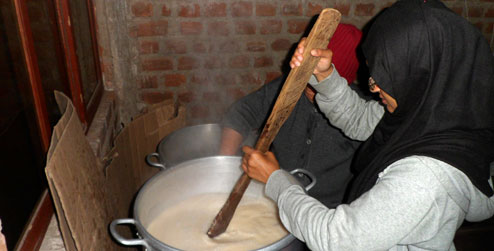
(439, 68)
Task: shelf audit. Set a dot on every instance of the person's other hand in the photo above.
(324, 67)
(258, 165)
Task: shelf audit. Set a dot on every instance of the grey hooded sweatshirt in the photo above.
(417, 203)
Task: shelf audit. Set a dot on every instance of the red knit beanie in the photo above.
(344, 44)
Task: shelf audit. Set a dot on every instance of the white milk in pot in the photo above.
(184, 225)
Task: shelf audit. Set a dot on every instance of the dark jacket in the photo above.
(306, 140)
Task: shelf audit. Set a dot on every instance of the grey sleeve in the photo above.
(376, 220)
(249, 113)
(345, 109)
(278, 181)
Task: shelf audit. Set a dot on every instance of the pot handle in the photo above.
(122, 240)
(150, 162)
(307, 173)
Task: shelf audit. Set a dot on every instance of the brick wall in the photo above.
(209, 53)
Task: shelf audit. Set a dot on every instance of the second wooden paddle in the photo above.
(292, 89)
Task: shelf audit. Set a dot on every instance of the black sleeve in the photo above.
(250, 112)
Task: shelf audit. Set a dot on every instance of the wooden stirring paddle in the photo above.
(290, 93)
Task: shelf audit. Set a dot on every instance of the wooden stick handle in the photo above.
(298, 77)
(290, 93)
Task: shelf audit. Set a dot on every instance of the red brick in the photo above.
(148, 47)
(166, 11)
(235, 93)
(364, 9)
(190, 10)
(313, 9)
(343, 8)
(247, 27)
(265, 9)
(191, 28)
(255, 46)
(489, 30)
(479, 25)
(213, 62)
(270, 76)
(211, 97)
(107, 69)
(289, 9)
(169, 94)
(188, 63)
(222, 80)
(271, 27)
(458, 10)
(154, 97)
(160, 64)
(474, 12)
(201, 47)
(215, 10)
(239, 61)
(263, 61)
(109, 77)
(249, 79)
(153, 28)
(229, 46)
(142, 9)
(281, 44)
(186, 97)
(199, 78)
(489, 13)
(297, 26)
(242, 9)
(199, 111)
(218, 28)
(175, 80)
(175, 47)
(147, 82)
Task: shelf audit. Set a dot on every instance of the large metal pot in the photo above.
(216, 174)
(188, 143)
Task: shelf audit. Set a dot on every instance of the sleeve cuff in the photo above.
(279, 181)
(328, 87)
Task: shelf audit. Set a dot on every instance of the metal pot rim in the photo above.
(141, 229)
(180, 130)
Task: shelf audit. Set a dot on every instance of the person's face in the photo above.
(387, 100)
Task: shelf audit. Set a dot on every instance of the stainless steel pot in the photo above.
(216, 174)
(188, 143)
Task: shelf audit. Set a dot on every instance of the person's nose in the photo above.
(375, 89)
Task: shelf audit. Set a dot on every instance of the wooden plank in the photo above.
(33, 72)
(93, 103)
(293, 87)
(35, 229)
(71, 58)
